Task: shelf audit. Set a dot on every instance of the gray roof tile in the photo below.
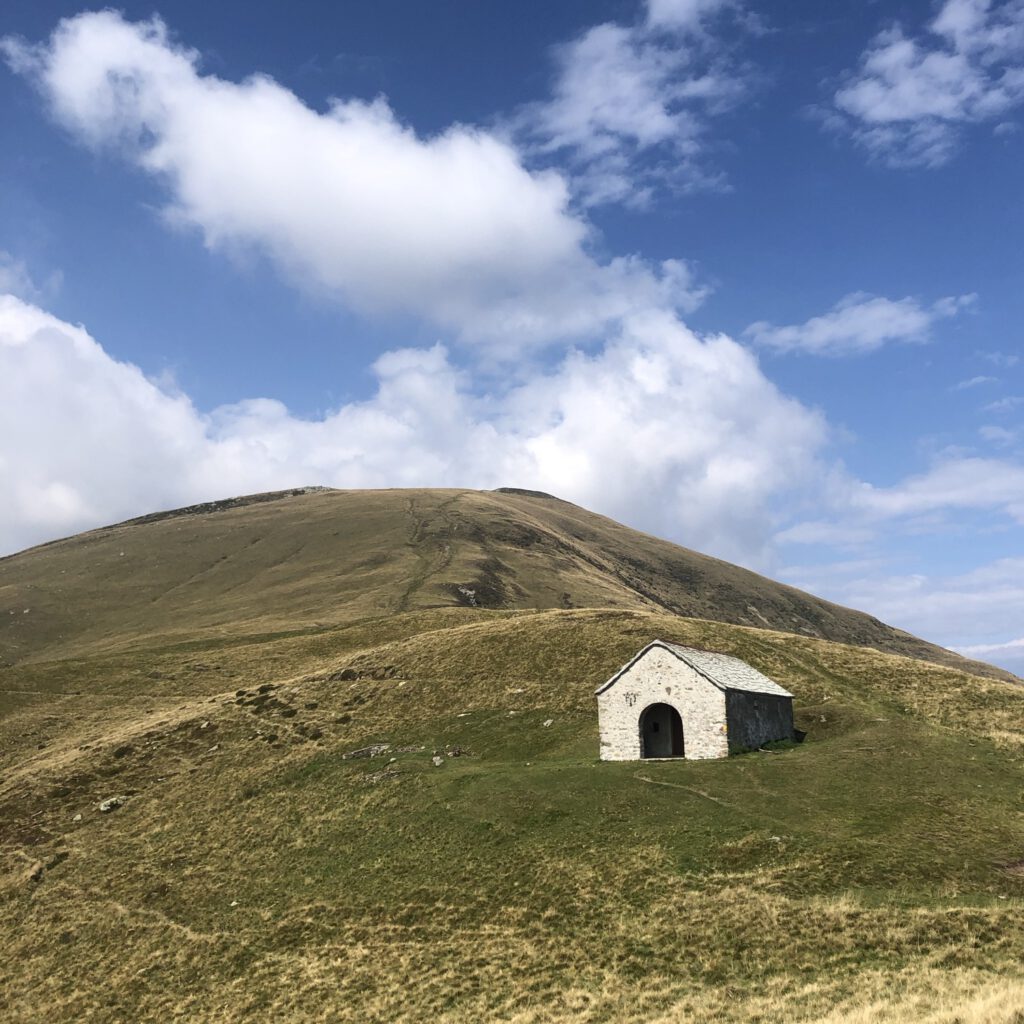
(725, 671)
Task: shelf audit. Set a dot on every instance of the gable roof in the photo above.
(721, 670)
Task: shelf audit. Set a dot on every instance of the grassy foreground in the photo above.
(253, 871)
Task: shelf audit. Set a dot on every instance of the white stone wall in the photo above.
(661, 678)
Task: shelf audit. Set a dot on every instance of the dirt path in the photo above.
(430, 537)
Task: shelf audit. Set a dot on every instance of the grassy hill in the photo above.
(285, 848)
(315, 558)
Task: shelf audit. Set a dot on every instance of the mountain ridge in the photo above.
(301, 556)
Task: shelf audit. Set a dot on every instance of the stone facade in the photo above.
(659, 677)
(722, 703)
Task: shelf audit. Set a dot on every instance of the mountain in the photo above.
(332, 756)
(315, 558)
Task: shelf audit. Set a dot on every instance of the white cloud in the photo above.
(1001, 359)
(631, 104)
(349, 202)
(681, 436)
(858, 323)
(910, 97)
(973, 382)
(15, 279)
(981, 650)
(998, 435)
(954, 483)
(1009, 655)
(683, 15)
(843, 535)
(1003, 405)
(977, 613)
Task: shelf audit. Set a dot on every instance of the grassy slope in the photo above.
(254, 872)
(306, 562)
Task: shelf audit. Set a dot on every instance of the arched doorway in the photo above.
(661, 731)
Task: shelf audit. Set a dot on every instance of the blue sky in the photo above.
(745, 276)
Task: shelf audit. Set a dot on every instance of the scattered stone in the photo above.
(455, 752)
(371, 751)
(204, 725)
(548, 723)
(464, 714)
(77, 817)
(438, 761)
(234, 903)
(111, 803)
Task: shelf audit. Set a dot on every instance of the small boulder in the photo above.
(111, 803)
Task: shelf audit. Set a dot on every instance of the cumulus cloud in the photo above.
(631, 104)
(858, 323)
(351, 202)
(911, 96)
(676, 434)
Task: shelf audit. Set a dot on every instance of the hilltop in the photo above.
(341, 788)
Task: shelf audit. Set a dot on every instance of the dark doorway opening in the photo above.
(661, 732)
